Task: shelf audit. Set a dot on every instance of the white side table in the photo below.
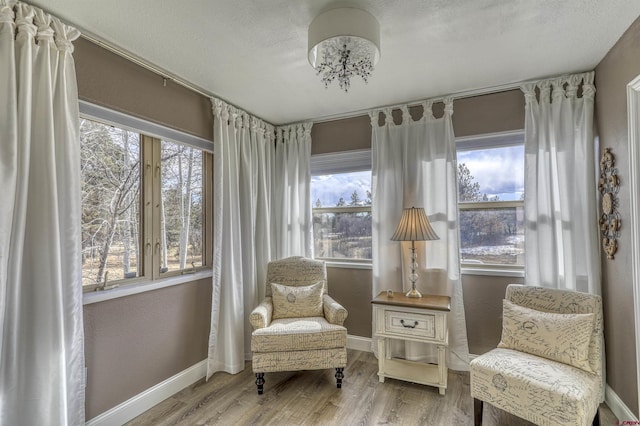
(414, 319)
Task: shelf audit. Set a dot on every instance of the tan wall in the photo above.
(341, 135)
(497, 112)
(483, 310)
(352, 289)
(133, 343)
(482, 304)
(615, 71)
(108, 80)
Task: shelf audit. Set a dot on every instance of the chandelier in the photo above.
(343, 43)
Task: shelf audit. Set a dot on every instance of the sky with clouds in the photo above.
(329, 188)
(499, 171)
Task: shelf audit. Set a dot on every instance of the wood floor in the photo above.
(311, 398)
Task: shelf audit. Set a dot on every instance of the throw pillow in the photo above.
(560, 337)
(297, 302)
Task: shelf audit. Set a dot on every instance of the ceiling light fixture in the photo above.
(342, 43)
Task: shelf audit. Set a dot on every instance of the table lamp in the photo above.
(414, 226)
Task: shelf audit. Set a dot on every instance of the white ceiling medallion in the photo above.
(343, 43)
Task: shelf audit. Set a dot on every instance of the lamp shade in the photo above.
(414, 226)
(343, 43)
(344, 24)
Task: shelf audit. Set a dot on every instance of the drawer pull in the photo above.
(415, 323)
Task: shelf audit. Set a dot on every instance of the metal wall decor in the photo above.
(609, 185)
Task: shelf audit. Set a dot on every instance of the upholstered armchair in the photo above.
(547, 368)
(298, 326)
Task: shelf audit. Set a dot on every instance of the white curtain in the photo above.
(292, 192)
(414, 165)
(41, 329)
(262, 212)
(561, 233)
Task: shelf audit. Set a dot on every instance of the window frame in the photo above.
(478, 143)
(338, 163)
(151, 136)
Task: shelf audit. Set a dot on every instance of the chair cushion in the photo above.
(296, 271)
(542, 391)
(559, 337)
(297, 302)
(565, 302)
(298, 334)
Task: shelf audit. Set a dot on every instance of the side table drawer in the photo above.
(409, 324)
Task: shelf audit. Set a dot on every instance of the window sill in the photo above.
(495, 272)
(492, 272)
(348, 265)
(141, 287)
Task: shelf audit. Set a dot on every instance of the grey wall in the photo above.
(615, 71)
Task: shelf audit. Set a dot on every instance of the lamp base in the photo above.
(413, 293)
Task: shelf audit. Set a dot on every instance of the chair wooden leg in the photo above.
(339, 377)
(260, 382)
(596, 419)
(477, 412)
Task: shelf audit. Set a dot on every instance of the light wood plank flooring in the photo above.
(311, 398)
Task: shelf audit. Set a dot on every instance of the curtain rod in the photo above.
(156, 70)
(169, 76)
(159, 71)
(458, 95)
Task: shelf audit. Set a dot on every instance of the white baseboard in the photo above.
(140, 403)
(359, 343)
(133, 407)
(618, 408)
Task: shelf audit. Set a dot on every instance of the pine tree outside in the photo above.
(491, 205)
(341, 228)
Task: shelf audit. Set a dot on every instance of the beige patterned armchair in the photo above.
(547, 368)
(298, 326)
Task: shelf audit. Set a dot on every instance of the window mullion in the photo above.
(208, 211)
(489, 205)
(155, 213)
(147, 210)
(353, 209)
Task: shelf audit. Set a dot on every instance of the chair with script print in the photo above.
(298, 326)
(547, 368)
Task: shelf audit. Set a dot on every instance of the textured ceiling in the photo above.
(253, 53)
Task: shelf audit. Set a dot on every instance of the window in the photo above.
(145, 207)
(491, 200)
(181, 207)
(341, 193)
